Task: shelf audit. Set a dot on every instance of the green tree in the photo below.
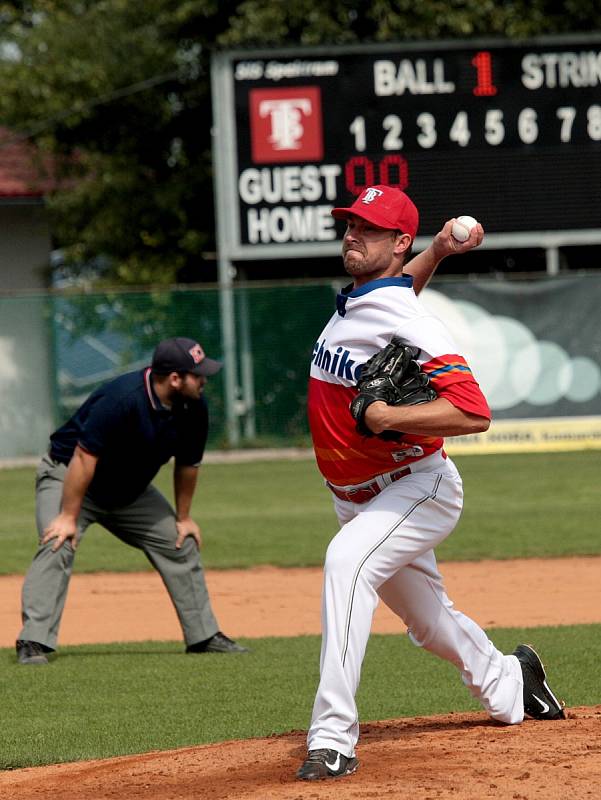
(262, 22)
(118, 92)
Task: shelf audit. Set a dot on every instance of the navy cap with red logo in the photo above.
(183, 355)
(385, 207)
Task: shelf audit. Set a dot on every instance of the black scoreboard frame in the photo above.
(507, 131)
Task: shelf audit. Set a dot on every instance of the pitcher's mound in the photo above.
(459, 756)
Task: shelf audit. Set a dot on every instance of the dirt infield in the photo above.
(460, 756)
(266, 601)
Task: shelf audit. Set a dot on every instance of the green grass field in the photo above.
(105, 700)
(279, 513)
(98, 701)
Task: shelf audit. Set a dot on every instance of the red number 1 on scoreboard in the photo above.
(483, 63)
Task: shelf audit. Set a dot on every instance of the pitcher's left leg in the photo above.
(416, 594)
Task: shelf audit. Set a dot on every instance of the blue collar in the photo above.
(405, 282)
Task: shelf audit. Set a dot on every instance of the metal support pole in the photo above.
(224, 157)
(228, 339)
(552, 256)
(246, 367)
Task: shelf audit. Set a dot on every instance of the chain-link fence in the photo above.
(100, 335)
(535, 347)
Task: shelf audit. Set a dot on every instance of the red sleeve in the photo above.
(468, 397)
(452, 378)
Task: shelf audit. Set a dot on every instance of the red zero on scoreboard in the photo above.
(285, 125)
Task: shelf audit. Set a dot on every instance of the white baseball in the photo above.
(462, 227)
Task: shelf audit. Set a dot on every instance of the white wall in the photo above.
(26, 381)
(24, 246)
(26, 396)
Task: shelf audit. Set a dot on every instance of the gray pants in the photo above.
(148, 524)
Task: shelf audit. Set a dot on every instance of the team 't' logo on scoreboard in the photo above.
(285, 124)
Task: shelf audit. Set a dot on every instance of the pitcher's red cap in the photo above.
(385, 207)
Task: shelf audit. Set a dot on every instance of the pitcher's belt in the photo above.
(366, 491)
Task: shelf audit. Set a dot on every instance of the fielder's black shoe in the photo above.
(326, 764)
(31, 652)
(219, 643)
(539, 700)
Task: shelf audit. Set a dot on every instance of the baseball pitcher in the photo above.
(387, 384)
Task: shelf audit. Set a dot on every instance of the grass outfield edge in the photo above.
(103, 696)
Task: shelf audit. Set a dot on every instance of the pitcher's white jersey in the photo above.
(365, 321)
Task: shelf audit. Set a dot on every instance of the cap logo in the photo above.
(370, 195)
(197, 353)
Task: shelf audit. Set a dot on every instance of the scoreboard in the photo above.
(508, 132)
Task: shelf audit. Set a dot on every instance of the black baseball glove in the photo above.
(394, 377)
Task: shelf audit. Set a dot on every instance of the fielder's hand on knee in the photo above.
(187, 527)
(61, 528)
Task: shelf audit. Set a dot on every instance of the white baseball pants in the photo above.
(385, 550)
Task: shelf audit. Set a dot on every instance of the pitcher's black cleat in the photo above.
(539, 700)
(326, 764)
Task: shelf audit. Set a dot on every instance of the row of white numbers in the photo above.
(494, 128)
